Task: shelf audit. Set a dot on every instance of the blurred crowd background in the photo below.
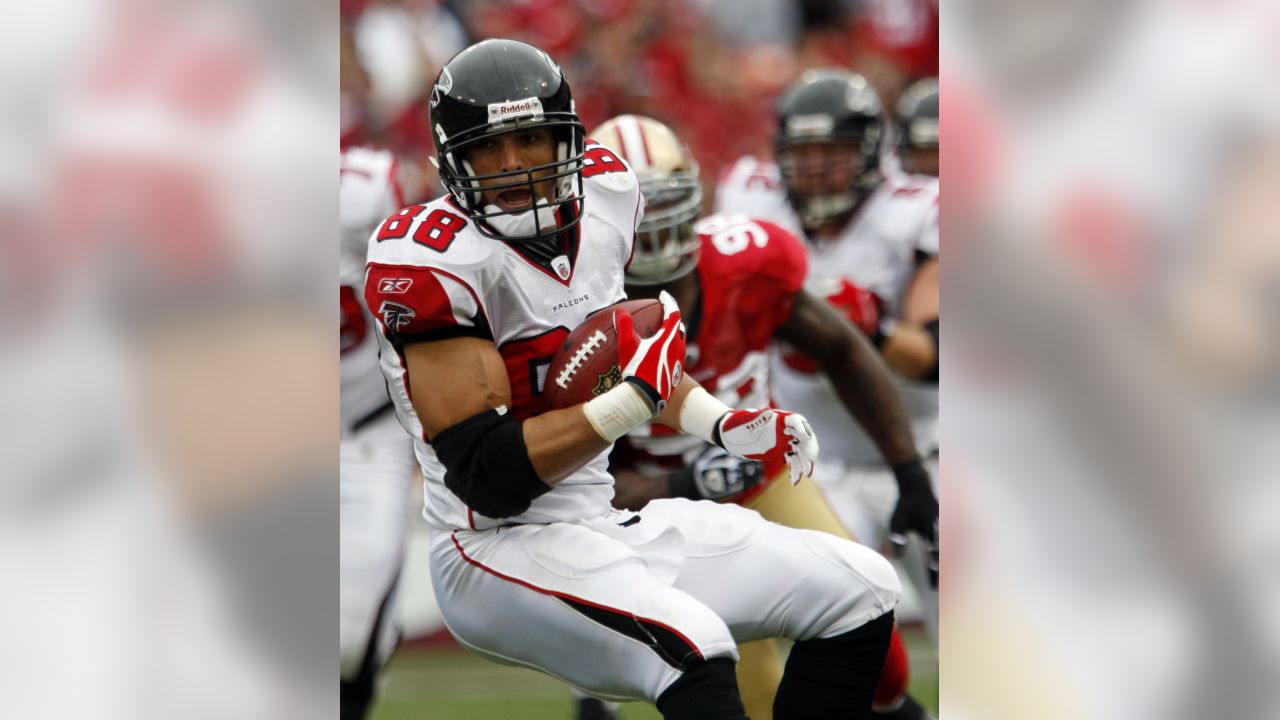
(710, 70)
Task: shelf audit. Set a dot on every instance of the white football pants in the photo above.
(619, 606)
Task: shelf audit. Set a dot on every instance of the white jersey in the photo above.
(367, 193)
(877, 250)
(753, 187)
(432, 274)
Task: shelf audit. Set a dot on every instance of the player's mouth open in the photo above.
(510, 200)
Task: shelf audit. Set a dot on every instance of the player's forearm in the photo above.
(671, 415)
(560, 442)
(911, 351)
(921, 302)
(865, 386)
(694, 411)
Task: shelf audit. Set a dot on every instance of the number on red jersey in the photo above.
(731, 235)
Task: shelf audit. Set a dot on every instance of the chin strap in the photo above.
(523, 224)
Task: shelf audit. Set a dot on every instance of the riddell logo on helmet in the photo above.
(816, 124)
(501, 112)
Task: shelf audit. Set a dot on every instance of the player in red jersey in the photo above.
(741, 284)
(868, 228)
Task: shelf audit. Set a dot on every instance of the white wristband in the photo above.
(618, 412)
(700, 413)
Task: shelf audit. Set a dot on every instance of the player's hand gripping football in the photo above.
(654, 364)
(771, 436)
(917, 512)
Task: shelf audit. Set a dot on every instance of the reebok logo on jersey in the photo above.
(395, 315)
(501, 112)
(395, 286)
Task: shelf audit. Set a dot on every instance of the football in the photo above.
(586, 365)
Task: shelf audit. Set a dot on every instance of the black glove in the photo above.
(917, 512)
(716, 475)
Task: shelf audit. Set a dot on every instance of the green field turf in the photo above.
(455, 685)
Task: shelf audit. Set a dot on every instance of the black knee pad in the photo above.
(706, 691)
(835, 677)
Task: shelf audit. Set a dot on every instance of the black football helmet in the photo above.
(840, 112)
(502, 86)
(918, 114)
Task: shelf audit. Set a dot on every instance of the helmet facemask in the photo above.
(666, 246)
(827, 178)
(561, 211)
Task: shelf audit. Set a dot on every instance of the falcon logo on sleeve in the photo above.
(395, 315)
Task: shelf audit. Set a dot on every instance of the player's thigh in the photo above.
(767, 580)
(575, 604)
(801, 506)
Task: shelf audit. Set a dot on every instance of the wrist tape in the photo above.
(700, 415)
(619, 411)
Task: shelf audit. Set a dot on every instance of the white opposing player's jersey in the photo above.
(368, 192)
(753, 187)
(877, 250)
(431, 274)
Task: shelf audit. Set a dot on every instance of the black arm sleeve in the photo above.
(487, 464)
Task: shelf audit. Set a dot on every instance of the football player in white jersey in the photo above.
(473, 294)
(375, 457)
(873, 249)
